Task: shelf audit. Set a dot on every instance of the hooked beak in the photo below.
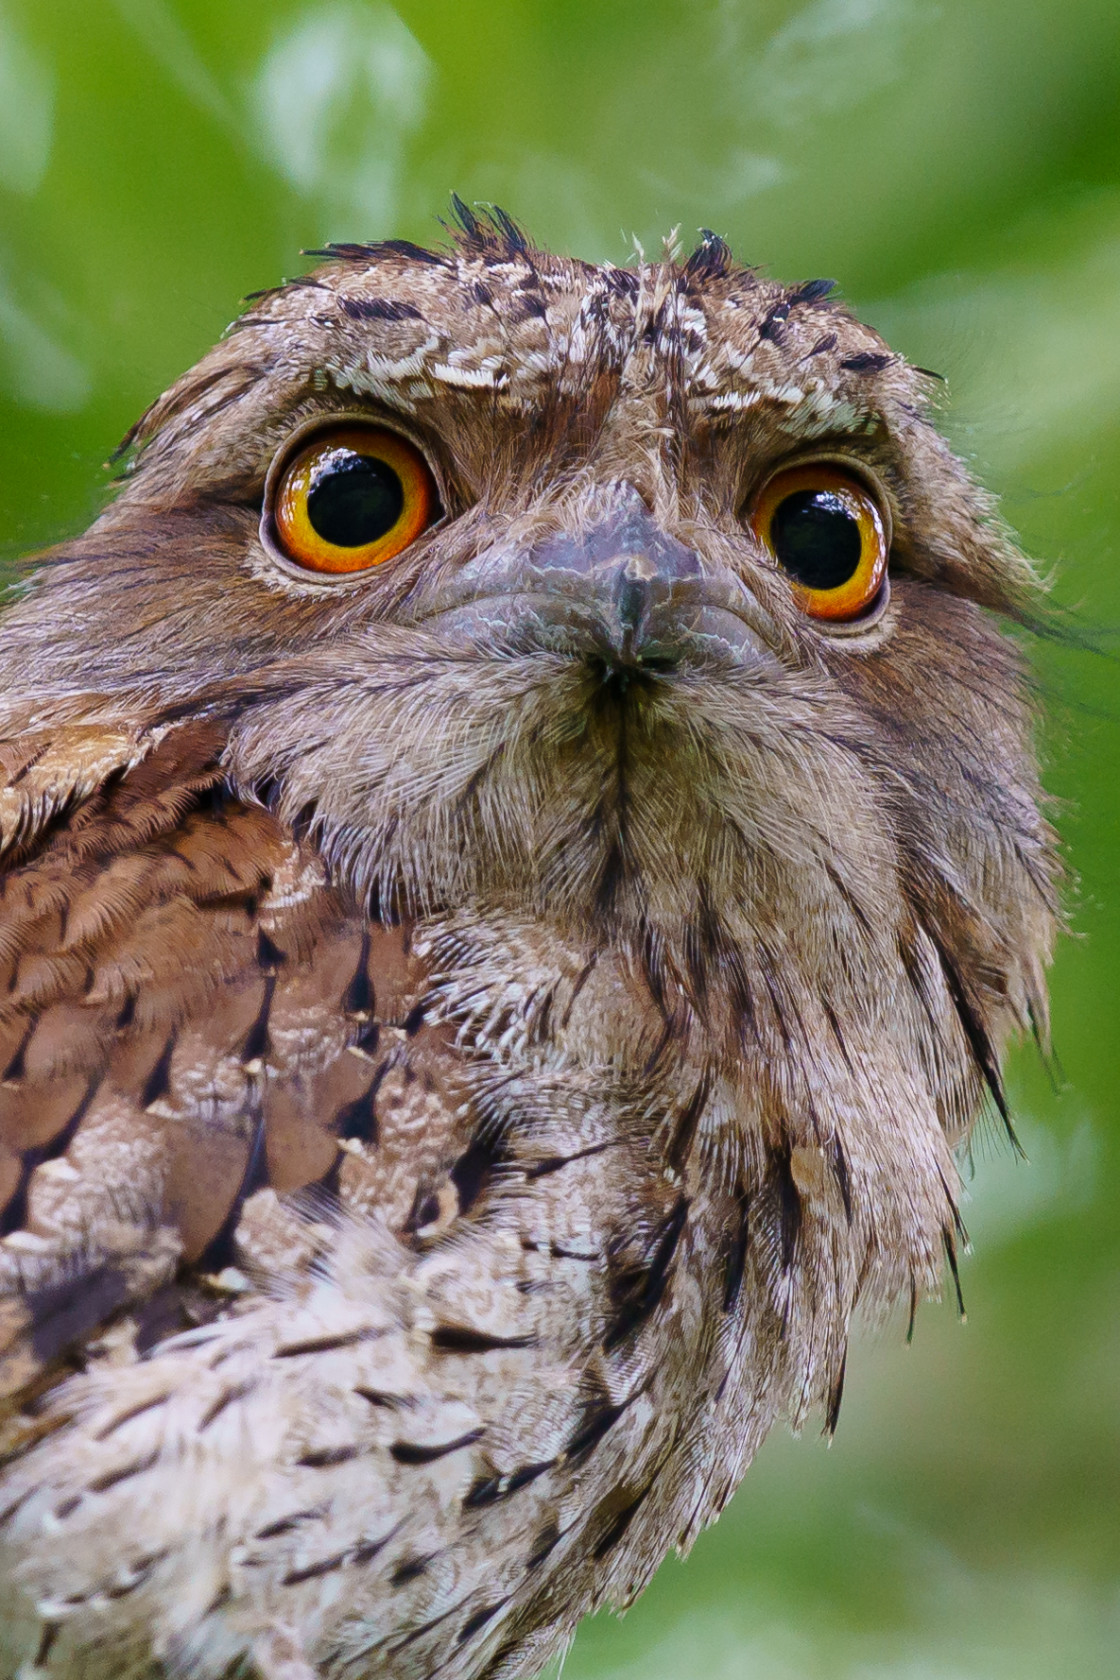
(623, 591)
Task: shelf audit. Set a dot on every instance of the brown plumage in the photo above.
(474, 1029)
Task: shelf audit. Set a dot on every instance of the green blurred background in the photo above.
(957, 166)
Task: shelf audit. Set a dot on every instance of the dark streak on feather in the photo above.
(220, 1251)
(378, 250)
(16, 1068)
(13, 1215)
(285, 1525)
(867, 361)
(843, 1177)
(324, 1344)
(358, 1119)
(619, 1524)
(379, 309)
(812, 291)
(122, 1472)
(158, 1082)
(461, 1338)
(119, 1420)
(378, 1397)
(547, 1539)
(771, 327)
(684, 1129)
(269, 955)
(581, 980)
(474, 1169)
(313, 1571)
(636, 1292)
(479, 1620)
(228, 1397)
(410, 1568)
(975, 1033)
(412, 1452)
(711, 260)
(951, 1255)
(555, 1163)
(736, 1261)
(256, 1045)
(358, 998)
(324, 1458)
(789, 1206)
(836, 1395)
(414, 1020)
(599, 1415)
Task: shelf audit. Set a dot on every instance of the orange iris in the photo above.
(829, 535)
(354, 497)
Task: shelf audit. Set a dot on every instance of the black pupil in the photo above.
(354, 499)
(816, 538)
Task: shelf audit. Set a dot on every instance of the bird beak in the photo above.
(622, 590)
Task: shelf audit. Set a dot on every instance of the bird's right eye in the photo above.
(351, 499)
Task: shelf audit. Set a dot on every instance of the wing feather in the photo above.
(194, 1027)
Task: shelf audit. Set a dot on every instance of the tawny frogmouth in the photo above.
(522, 854)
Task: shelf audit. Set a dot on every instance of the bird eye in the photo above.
(351, 499)
(829, 535)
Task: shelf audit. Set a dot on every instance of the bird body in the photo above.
(477, 1022)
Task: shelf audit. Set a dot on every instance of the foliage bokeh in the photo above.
(957, 165)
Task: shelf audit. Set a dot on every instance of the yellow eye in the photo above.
(353, 498)
(829, 535)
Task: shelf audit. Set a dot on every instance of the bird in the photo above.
(522, 852)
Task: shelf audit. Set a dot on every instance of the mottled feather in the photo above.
(458, 1086)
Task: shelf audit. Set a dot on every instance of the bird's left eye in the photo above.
(829, 535)
(352, 498)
